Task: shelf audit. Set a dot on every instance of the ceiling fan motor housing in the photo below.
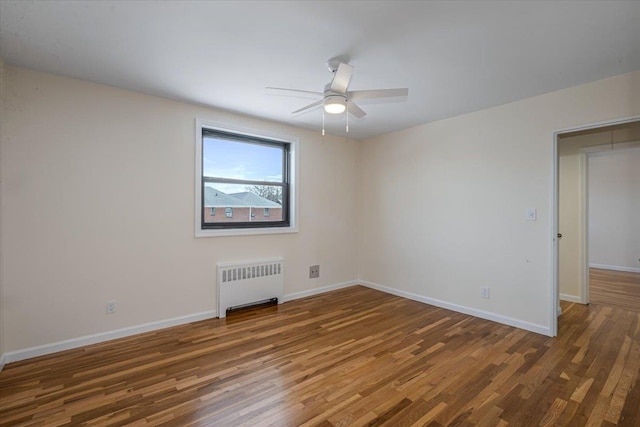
(334, 63)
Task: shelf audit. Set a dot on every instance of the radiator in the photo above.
(241, 284)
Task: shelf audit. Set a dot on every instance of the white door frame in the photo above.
(555, 310)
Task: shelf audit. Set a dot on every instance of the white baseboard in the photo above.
(615, 268)
(540, 329)
(570, 298)
(41, 350)
(27, 353)
(321, 290)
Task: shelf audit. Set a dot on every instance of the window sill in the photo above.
(245, 231)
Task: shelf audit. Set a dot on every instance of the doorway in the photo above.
(573, 151)
(613, 183)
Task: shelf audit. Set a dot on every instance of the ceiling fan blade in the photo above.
(309, 107)
(342, 77)
(377, 93)
(355, 110)
(292, 92)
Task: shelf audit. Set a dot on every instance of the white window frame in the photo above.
(293, 184)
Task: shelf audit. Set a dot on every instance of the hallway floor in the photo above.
(617, 289)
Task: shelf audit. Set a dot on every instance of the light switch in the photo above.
(531, 214)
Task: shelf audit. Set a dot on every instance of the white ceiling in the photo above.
(455, 57)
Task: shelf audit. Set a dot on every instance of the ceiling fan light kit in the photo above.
(335, 104)
(336, 98)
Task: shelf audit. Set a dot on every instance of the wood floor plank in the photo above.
(619, 289)
(349, 357)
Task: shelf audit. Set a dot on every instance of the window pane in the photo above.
(237, 160)
(244, 181)
(242, 203)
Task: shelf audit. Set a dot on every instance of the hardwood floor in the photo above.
(349, 357)
(614, 288)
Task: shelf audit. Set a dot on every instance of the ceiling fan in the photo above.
(336, 98)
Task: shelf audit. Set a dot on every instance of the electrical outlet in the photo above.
(111, 306)
(484, 292)
(314, 271)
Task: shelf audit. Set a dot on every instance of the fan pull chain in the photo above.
(347, 116)
(323, 122)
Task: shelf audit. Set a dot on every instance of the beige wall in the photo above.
(614, 209)
(570, 220)
(83, 164)
(471, 178)
(571, 268)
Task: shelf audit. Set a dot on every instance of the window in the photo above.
(242, 172)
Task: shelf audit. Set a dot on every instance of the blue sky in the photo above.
(238, 160)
